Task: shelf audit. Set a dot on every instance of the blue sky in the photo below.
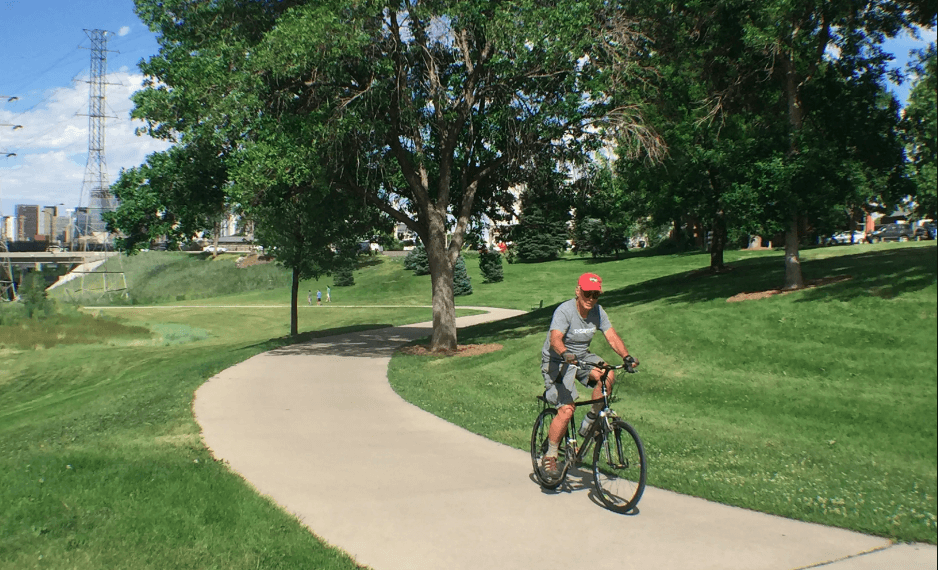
(45, 62)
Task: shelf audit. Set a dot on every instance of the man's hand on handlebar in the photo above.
(630, 362)
(569, 357)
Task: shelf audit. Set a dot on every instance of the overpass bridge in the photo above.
(59, 257)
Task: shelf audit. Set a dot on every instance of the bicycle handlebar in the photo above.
(628, 367)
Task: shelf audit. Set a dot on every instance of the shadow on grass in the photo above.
(887, 273)
(362, 341)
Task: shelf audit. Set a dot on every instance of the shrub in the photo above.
(33, 292)
(417, 261)
(490, 264)
(462, 283)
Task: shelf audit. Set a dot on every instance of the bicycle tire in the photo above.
(620, 480)
(539, 447)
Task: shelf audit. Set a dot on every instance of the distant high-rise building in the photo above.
(7, 228)
(27, 222)
(53, 224)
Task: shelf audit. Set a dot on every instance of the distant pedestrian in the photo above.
(328, 293)
(318, 297)
(309, 297)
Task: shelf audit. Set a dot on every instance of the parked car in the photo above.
(211, 249)
(844, 238)
(891, 232)
(924, 231)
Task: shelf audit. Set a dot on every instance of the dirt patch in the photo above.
(810, 284)
(461, 350)
(253, 259)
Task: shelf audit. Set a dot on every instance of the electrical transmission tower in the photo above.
(89, 222)
(95, 186)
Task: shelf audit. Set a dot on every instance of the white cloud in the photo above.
(123, 31)
(52, 147)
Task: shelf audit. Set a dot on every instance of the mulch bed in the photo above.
(461, 350)
(810, 284)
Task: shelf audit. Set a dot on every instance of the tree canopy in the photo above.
(428, 110)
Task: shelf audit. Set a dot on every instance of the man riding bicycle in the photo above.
(571, 330)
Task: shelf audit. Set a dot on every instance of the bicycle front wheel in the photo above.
(539, 448)
(619, 468)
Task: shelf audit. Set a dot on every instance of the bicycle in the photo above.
(619, 465)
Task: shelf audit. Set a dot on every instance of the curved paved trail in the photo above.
(318, 429)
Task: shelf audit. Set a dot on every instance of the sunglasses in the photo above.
(590, 294)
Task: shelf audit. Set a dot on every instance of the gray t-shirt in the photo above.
(577, 331)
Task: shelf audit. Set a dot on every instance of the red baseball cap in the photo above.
(590, 282)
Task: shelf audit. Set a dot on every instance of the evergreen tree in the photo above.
(344, 277)
(542, 232)
(462, 284)
(490, 264)
(417, 261)
(539, 237)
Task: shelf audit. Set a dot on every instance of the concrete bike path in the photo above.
(317, 428)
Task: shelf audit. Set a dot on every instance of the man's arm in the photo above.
(556, 342)
(615, 342)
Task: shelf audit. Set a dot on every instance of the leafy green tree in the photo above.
(174, 195)
(774, 114)
(292, 227)
(603, 220)
(920, 126)
(462, 283)
(792, 41)
(432, 110)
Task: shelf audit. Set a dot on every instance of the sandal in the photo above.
(549, 465)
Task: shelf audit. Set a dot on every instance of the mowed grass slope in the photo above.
(101, 464)
(818, 405)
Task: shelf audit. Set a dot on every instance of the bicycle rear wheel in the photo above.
(539, 448)
(619, 468)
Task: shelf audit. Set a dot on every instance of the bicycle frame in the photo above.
(598, 427)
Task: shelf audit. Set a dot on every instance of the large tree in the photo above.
(431, 109)
(920, 126)
(774, 113)
(799, 44)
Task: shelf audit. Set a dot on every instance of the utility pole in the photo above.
(7, 283)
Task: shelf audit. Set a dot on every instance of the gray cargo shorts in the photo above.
(559, 384)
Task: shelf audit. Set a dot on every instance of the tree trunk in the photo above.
(717, 245)
(441, 279)
(217, 230)
(793, 277)
(294, 329)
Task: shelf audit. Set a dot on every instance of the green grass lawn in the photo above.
(818, 405)
(101, 464)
